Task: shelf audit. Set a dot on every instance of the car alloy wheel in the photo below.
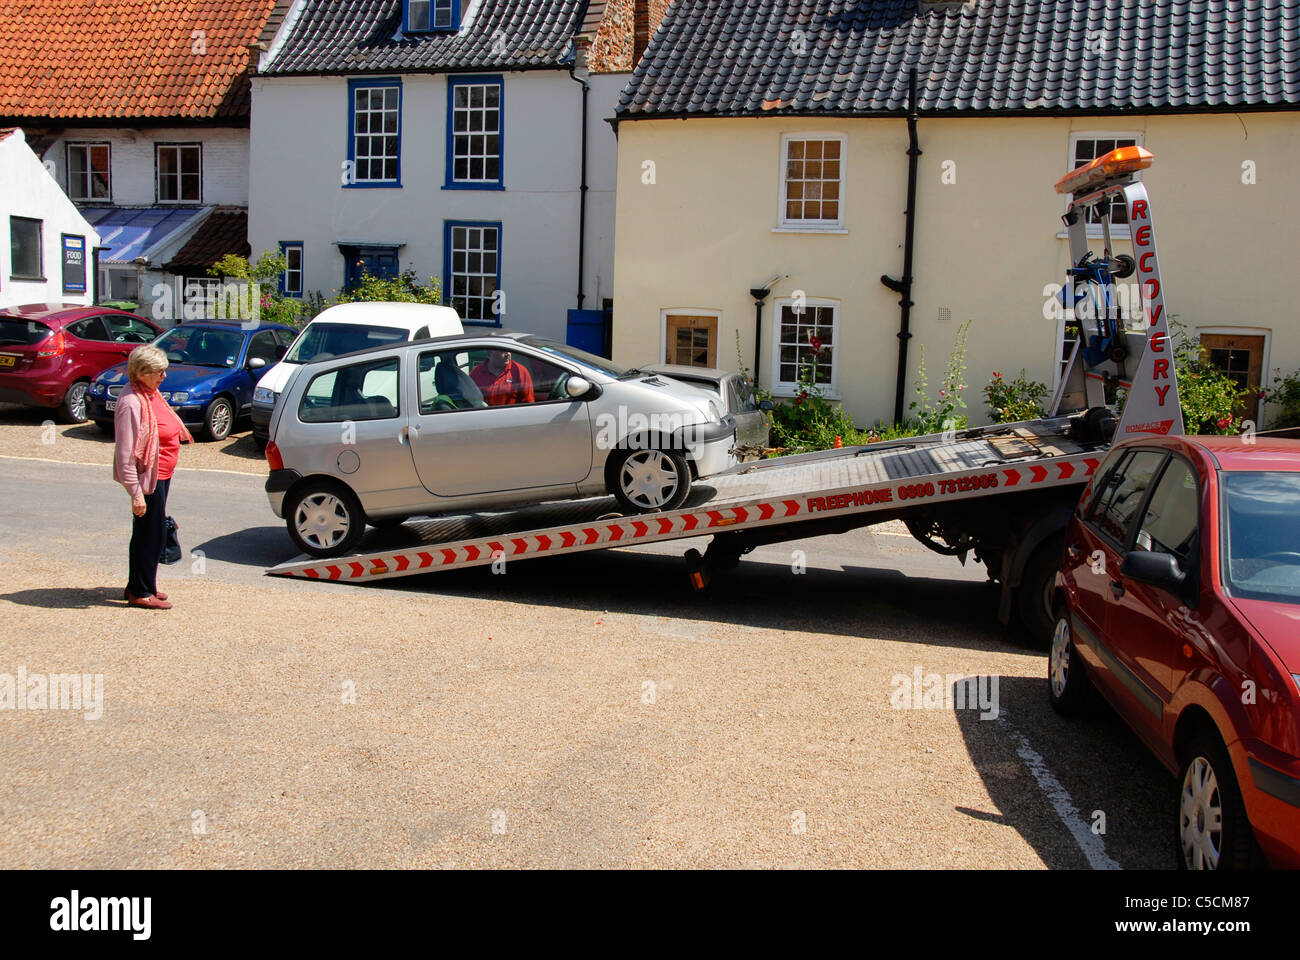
(1200, 816)
(1067, 681)
(221, 418)
(652, 480)
(74, 403)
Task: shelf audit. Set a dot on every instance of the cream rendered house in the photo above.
(765, 149)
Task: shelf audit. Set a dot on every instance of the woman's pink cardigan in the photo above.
(126, 425)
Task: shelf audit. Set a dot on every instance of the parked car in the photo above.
(346, 328)
(49, 352)
(213, 368)
(1178, 599)
(737, 396)
(480, 421)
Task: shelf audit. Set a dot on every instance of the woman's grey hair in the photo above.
(145, 358)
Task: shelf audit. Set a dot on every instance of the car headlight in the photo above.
(263, 395)
(97, 389)
(180, 397)
(164, 394)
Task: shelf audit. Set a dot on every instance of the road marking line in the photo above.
(1090, 843)
(87, 463)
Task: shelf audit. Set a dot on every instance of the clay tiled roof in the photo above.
(220, 234)
(127, 59)
(773, 57)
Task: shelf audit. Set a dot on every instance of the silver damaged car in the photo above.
(480, 422)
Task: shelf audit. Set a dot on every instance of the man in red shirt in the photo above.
(502, 380)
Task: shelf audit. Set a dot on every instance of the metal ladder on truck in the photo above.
(1003, 492)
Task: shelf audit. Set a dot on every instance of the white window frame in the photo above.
(88, 145)
(179, 147)
(788, 388)
(1118, 232)
(667, 312)
(785, 225)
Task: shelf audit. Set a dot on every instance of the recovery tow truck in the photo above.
(1003, 493)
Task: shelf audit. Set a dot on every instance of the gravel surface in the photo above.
(33, 432)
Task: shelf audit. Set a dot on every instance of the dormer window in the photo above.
(427, 16)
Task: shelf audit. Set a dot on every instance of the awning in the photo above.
(131, 232)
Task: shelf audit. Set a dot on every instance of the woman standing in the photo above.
(149, 437)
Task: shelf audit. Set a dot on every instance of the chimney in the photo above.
(640, 29)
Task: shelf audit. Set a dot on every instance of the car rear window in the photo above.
(321, 341)
(1261, 520)
(22, 333)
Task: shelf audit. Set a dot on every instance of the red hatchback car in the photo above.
(50, 351)
(1178, 599)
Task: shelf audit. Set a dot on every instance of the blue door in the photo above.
(586, 331)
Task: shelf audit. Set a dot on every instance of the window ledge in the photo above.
(473, 186)
(372, 185)
(1119, 233)
(19, 279)
(784, 392)
(786, 228)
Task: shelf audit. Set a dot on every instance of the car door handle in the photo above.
(1074, 553)
(1117, 588)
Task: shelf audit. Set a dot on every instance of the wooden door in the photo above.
(1242, 358)
(692, 341)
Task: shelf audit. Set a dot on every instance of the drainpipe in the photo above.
(580, 64)
(903, 287)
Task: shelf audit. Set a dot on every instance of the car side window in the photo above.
(92, 328)
(421, 334)
(548, 379)
(128, 329)
(263, 345)
(1173, 514)
(1116, 508)
(444, 382)
(363, 391)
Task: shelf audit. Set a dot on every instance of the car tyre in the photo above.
(324, 519)
(73, 408)
(1068, 685)
(650, 480)
(1034, 614)
(1208, 794)
(220, 419)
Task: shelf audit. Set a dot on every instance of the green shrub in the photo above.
(1010, 401)
(1212, 402)
(948, 413)
(1285, 395)
(403, 288)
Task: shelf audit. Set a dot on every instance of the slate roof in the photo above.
(222, 233)
(364, 36)
(120, 59)
(810, 57)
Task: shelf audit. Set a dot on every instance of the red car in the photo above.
(50, 351)
(1178, 599)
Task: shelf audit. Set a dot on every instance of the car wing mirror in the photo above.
(256, 363)
(1156, 569)
(766, 405)
(578, 387)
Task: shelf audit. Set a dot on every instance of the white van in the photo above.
(343, 329)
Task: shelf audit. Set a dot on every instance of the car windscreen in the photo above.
(574, 355)
(22, 333)
(201, 346)
(320, 341)
(1261, 518)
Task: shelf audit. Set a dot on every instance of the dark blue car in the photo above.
(213, 367)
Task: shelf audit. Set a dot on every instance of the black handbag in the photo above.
(171, 552)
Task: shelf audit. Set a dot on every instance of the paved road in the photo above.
(575, 711)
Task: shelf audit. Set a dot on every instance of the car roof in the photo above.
(387, 314)
(1259, 451)
(443, 341)
(61, 312)
(233, 325)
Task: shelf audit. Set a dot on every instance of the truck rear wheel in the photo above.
(1033, 600)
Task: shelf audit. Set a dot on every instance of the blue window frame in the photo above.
(375, 133)
(291, 279)
(430, 16)
(471, 253)
(475, 133)
(377, 261)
